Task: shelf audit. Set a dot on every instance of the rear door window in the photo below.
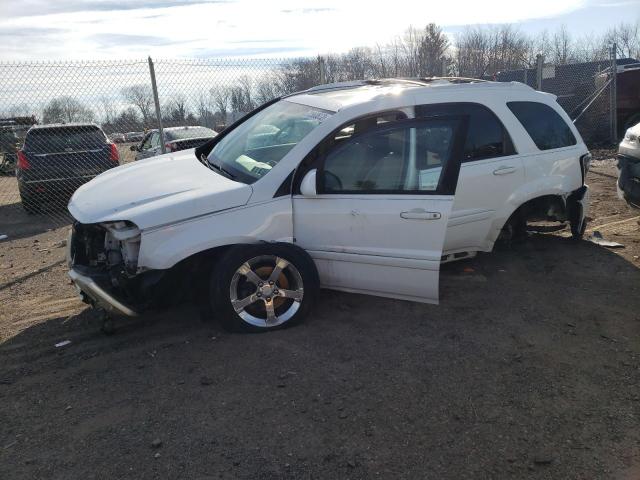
(486, 136)
(65, 139)
(546, 128)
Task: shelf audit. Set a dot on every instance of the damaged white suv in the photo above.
(362, 186)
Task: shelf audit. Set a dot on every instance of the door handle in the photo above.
(504, 170)
(419, 214)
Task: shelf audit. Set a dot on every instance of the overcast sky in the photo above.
(97, 29)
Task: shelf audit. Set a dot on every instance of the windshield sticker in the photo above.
(318, 115)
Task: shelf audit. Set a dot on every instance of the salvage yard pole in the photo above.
(539, 67)
(156, 100)
(613, 95)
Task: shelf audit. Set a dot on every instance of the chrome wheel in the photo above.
(266, 291)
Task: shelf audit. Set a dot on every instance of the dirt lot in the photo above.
(529, 368)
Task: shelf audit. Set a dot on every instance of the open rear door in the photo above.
(378, 220)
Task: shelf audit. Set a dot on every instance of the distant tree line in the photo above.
(478, 52)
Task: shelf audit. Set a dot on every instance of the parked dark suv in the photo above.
(56, 159)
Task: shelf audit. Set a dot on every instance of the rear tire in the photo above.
(258, 288)
(29, 204)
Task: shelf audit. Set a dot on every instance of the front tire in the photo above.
(257, 288)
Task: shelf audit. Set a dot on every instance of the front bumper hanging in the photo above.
(89, 288)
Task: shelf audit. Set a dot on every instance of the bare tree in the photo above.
(141, 97)
(626, 36)
(177, 109)
(562, 46)
(246, 84)
(204, 109)
(66, 109)
(267, 88)
(109, 109)
(221, 96)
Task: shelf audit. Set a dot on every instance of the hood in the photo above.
(157, 191)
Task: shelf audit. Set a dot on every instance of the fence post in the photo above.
(613, 95)
(539, 67)
(323, 70)
(156, 100)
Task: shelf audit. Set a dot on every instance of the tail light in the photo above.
(585, 163)
(23, 163)
(171, 147)
(114, 155)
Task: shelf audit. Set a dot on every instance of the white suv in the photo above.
(362, 186)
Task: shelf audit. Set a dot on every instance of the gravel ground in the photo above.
(529, 368)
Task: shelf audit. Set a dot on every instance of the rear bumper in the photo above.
(51, 188)
(92, 292)
(578, 209)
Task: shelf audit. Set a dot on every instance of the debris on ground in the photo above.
(64, 343)
(597, 238)
(2, 237)
(543, 459)
(157, 443)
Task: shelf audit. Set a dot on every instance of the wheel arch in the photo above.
(531, 207)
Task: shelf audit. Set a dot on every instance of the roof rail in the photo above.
(418, 81)
(388, 81)
(452, 79)
(336, 86)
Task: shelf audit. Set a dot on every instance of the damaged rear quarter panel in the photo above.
(554, 172)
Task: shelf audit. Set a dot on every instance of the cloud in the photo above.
(26, 8)
(109, 40)
(308, 10)
(245, 52)
(97, 29)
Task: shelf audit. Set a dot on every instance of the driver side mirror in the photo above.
(308, 187)
(133, 148)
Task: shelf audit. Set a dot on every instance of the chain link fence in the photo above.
(85, 118)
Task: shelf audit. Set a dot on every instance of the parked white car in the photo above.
(629, 167)
(364, 187)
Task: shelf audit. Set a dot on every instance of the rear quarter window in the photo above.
(546, 128)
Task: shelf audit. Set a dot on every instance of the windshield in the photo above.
(254, 147)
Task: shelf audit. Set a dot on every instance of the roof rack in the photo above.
(389, 81)
(452, 79)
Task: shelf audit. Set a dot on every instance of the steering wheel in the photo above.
(331, 181)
